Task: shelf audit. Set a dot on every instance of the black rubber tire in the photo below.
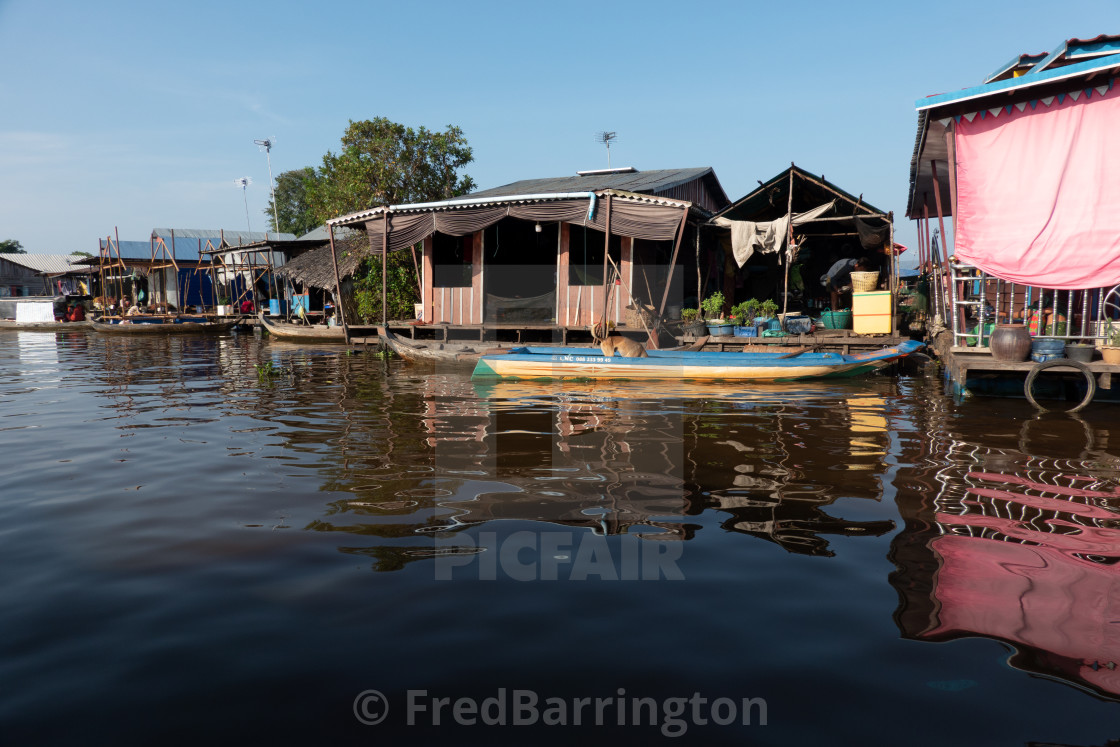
(1090, 392)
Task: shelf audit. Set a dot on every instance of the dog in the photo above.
(624, 346)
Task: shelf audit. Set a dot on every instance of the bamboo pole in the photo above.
(338, 287)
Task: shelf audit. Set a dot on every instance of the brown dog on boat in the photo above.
(609, 344)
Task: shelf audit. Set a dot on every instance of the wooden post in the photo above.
(789, 242)
(606, 255)
(673, 263)
(951, 151)
(385, 270)
(946, 274)
(892, 283)
(338, 287)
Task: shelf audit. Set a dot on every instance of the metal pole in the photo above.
(272, 185)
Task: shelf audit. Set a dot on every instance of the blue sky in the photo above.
(141, 115)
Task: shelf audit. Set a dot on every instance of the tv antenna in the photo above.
(267, 144)
(244, 183)
(605, 138)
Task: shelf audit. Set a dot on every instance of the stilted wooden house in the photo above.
(781, 238)
(553, 255)
(1026, 165)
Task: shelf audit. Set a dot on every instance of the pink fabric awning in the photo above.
(1038, 191)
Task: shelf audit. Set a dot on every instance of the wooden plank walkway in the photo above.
(963, 361)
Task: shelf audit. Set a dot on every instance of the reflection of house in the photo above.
(827, 224)
(541, 253)
(1030, 560)
(1026, 165)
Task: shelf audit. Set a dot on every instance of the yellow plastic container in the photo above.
(871, 313)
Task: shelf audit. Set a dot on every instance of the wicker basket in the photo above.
(864, 282)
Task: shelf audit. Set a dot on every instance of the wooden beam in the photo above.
(338, 288)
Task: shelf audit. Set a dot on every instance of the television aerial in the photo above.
(605, 138)
(266, 145)
(244, 183)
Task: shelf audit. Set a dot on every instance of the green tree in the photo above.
(385, 163)
(293, 202)
(11, 246)
(80, 253)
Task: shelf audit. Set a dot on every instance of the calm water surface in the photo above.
(195, 552)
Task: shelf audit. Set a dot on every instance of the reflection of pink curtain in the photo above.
(1043, 597)
(1038, 192)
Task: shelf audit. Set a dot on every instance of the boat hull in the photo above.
(437, 352)
(43, 326)
(302, 333)
(576, 363)
(164, 328)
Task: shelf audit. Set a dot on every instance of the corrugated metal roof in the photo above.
(1071, 61)
(634, 181)
(44, 263)
(320, 234)
(185, 248)
(231, 237)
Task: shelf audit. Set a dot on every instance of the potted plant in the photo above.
(768, 310)
(1111, 351)
(692, 324)
(223, 305)
(743, 315)
(713, 312)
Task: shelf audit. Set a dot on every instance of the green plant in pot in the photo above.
(713, 307)
(689, 316)
(745, 312)
(1111, 352)
(768, 309)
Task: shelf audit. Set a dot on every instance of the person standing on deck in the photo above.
(838, 278)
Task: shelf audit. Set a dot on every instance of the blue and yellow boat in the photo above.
(589, 363)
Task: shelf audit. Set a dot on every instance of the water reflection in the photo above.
(627, 459)
(1010, 544)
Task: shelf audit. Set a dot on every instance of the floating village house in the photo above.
(781, 238)
(23, 275)
(1026, 163)
(182, 267)
(533, 255)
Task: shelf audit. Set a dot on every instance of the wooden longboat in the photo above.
(583, 363)
(432, 351)
(302, 332)
(44, 326)
(160, 325)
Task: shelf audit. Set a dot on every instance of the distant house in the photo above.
(543, 253)
(181, 267)
(36, 274)
(1027, 166)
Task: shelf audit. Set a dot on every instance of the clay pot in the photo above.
(1010, 342)
(1111, 355)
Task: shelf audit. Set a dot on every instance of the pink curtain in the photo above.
(1038, 192)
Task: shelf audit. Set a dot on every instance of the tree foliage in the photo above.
(11, 246)
(293, 202)
(379, 163)
(385, 163)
